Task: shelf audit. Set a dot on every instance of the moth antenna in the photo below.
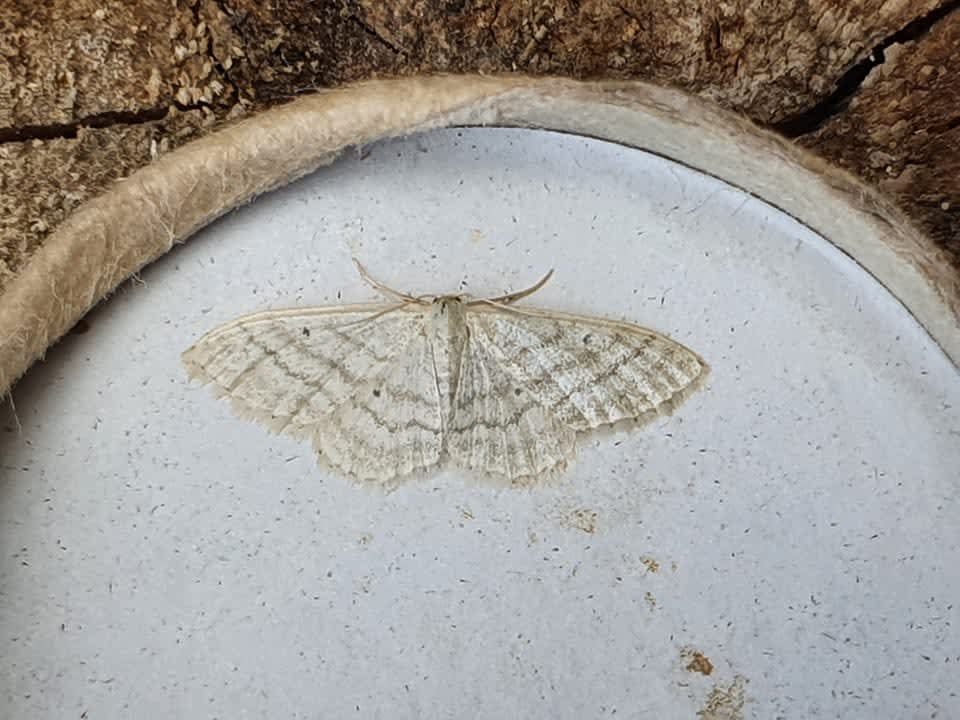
(514, 296)
(380, 287)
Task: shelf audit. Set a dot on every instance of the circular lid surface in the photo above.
(780, 546)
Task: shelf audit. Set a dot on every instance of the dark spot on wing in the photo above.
(376, 393)
(587, 338)
(306, 332)
(517, 391)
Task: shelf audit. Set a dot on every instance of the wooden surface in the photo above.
(91, 90)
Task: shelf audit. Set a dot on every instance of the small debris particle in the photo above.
(581, 519)
(725, 702)
(699, 663)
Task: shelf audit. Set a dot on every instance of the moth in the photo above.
(388, 391)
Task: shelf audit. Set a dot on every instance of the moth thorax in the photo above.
(448, 335)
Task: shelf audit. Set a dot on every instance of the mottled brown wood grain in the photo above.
(90, 90)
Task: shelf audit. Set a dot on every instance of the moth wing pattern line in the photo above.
(498, 428)
(332, 375)
(588, 371)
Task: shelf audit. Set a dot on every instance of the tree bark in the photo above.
(91, 90)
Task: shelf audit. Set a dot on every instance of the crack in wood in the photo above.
(370, 31)
(848, 86)
(68, 131)
(113, 118)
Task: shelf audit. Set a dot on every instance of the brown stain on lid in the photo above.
(700, 663)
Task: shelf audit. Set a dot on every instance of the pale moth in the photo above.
(389, 391)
